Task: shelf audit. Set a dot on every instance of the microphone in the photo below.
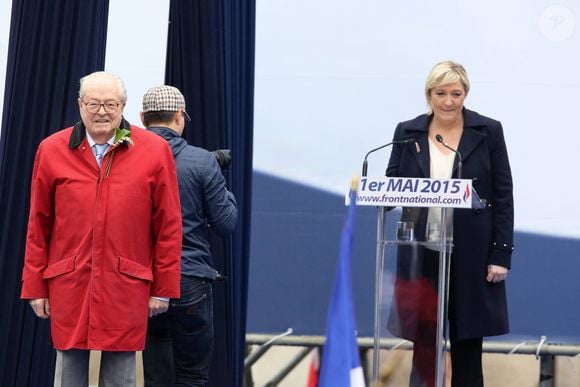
(365, 163)
(439, 138)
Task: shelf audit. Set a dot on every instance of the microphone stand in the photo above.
(365, 162)
(439, 138)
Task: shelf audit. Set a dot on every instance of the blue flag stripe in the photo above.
(341, 355)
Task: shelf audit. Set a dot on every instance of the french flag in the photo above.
(340, 359)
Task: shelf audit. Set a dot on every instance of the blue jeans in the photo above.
(180, 341)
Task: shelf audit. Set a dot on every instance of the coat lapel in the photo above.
(78, 140)
(470, 139)
(422, 153)
(420, 128)
(86, 154)
(472, 134)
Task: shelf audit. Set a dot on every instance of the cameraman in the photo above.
(180, 342)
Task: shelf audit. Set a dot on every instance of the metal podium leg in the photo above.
(443, 298)
(378, 292)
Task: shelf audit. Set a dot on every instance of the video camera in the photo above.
(223, 158)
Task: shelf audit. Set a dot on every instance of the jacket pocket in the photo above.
(133, 269)
(63, 266)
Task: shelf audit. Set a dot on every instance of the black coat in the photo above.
(480, 236)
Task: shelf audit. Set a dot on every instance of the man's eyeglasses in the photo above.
(109, 106)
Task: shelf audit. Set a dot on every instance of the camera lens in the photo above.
(223, 157)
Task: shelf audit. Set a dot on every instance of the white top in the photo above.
(441, 168)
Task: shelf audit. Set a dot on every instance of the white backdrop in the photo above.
(5, 10)
(334, 77)
(136, 48)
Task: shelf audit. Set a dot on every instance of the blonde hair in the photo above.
(445, 73)
(102, 75)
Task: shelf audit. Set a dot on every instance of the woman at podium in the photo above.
(451, 141)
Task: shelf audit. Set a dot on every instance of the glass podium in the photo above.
(413, 256)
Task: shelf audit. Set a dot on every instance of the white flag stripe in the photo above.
(357, 378)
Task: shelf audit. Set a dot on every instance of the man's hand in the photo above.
(496, 273)
(41, 307)
(157, 306)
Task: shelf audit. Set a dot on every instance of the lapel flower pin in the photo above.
(122, 136)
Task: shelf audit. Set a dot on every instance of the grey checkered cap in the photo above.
(164, 98)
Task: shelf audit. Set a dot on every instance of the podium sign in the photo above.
(414, 192)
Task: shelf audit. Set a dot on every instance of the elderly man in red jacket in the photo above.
(104, 236)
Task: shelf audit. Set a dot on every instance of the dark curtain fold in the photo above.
(210, 57)
(52, 45)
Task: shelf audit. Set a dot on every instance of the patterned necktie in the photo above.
(99, 150)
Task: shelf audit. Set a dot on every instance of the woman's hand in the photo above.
(496, 273)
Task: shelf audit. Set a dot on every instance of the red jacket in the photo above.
(99, 245)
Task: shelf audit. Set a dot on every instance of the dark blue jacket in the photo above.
(480, 236)
(205, 203)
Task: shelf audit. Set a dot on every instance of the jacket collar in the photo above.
(175, 141)
(471, 119)
(79, 133)
(473, 134)
(164, 131)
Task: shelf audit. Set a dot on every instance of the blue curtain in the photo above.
(210, 57)
(52, 45)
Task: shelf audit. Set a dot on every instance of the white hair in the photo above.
(100, 76)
